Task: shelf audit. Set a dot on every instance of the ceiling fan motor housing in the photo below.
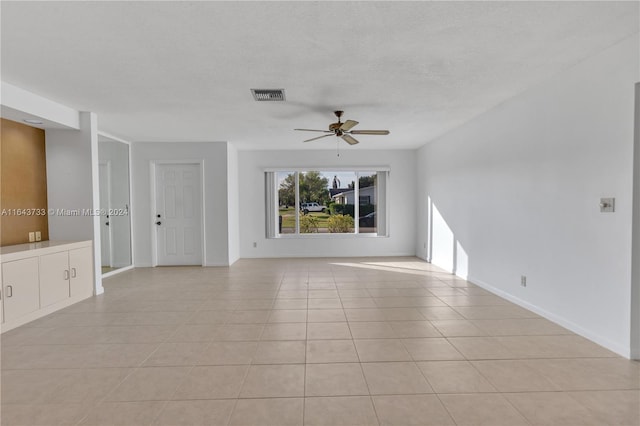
(335, 127)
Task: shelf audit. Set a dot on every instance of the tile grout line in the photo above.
(375, 410)
(466, 358)
(165, 403)
(304, 373)
(137, 368)
(248, 370)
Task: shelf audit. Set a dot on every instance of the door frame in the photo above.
(154, 236)
(98, 272)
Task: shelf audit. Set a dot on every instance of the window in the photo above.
(314, 202)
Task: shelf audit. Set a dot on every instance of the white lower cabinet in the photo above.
(81, 272)
(54, 278)
(43, 278)
(20, 288)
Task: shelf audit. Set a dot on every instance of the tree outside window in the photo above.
(325, 205)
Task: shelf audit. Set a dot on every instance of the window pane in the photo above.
(368, 195)
(325, 201)
(314, 197)
(341, 206)
(286, 202)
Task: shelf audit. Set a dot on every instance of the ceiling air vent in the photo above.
(268, 95)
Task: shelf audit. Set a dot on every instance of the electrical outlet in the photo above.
(32, 237)
(255, 244)
(38, 236)
(523, 280)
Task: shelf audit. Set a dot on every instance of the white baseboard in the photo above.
(213, 264)
(596, 338)
(117, 271)
(423, 257)
(323, 256)
(149, 265)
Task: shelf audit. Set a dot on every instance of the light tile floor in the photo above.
(390, 341)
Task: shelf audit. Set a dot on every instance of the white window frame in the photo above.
(382, 205)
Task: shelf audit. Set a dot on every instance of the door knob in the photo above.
(158, 223)
(107, 223)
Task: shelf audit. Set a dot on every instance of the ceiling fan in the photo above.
(344, 131)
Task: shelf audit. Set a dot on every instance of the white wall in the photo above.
(69, 183)
(233, 203)
(72, 185)
(214, 155)
(519, 187)
(401, 193)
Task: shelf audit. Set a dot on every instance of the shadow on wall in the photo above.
(443, 248)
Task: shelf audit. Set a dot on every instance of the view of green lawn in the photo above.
(289, 217)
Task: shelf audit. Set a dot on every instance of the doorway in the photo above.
(178, 214)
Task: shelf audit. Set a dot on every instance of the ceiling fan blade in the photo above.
(369, 132)
(319, 137)
(348, 125)
(313, 130)
(350, 139)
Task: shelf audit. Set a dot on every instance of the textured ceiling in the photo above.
(181, 71)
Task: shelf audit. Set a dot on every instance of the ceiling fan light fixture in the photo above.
(268, 95)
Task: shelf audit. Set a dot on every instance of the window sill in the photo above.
(325, 235)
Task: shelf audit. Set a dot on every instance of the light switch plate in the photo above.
(32, 237)
(607, 205)
(38, 236)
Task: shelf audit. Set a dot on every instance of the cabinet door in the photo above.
(20, 288)
(54, 278)
(81, 263)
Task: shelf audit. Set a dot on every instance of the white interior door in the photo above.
(178, 218)
(105, 204)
